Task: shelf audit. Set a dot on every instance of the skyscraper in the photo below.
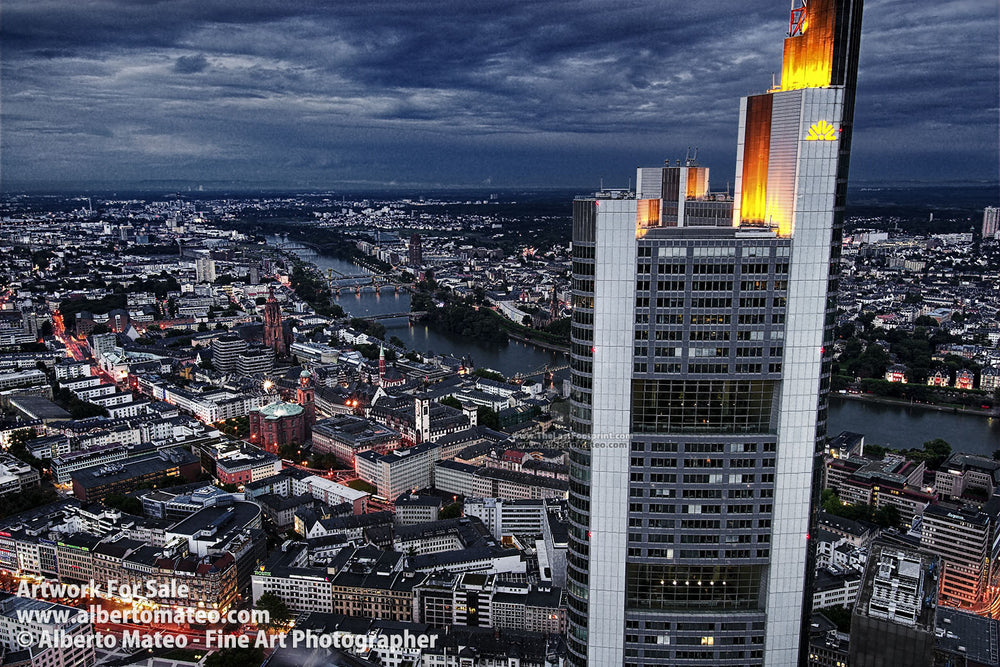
(991, 222)
(700, 369)
(204, 269)
(416, 255)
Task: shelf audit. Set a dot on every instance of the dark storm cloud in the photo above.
(450, 92)
(191, 64)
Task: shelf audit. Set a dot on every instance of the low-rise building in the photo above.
(961, 538)
(16, 475)
(331, 492)
(401, 470)
(24, 621)
(360, 583)
(413, 509)
(246, 464)
(447, 599)
(835, 588)
(967, 477)
(506, 518)
(893, 481)
(346, 436)
(90, 485)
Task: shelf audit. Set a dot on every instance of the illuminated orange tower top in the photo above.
(820, 52)
(808, 56)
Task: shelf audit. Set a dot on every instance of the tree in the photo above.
(487, 417)
(876, 452)
(845, 330)
(452, 511)
(935, 453)
(278, 614)
(27, 499)
(100, 329)
(40, 259)
(362, 485)
(325, 461)
(22, 437)
(887, 516)
(559, 327)
(829, 501)
(290, 451)
(126, 504)
(488, 375)
(451, 401)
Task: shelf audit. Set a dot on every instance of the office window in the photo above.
(651, 586)
(702, 406)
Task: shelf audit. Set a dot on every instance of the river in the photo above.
(510, 359)
(890, 425)
(902, 427)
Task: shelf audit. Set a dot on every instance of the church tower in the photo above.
(305, 395)
(274, 334)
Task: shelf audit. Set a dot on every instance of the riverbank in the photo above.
(537, 343)
(884, 400)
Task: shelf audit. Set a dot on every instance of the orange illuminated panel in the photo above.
(756, 150)
(808, 57)
(647, 214)
(697, 182)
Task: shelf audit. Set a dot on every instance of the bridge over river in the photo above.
(412, 314)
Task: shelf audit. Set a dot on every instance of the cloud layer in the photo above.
(318, 94)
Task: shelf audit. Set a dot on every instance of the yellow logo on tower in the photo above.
(822, 131)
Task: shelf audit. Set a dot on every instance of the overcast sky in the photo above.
(352, 94)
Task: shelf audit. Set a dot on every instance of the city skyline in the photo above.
(399, 95)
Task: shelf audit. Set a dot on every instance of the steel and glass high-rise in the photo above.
(700, 367)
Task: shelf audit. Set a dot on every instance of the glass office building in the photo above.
(700, 369)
